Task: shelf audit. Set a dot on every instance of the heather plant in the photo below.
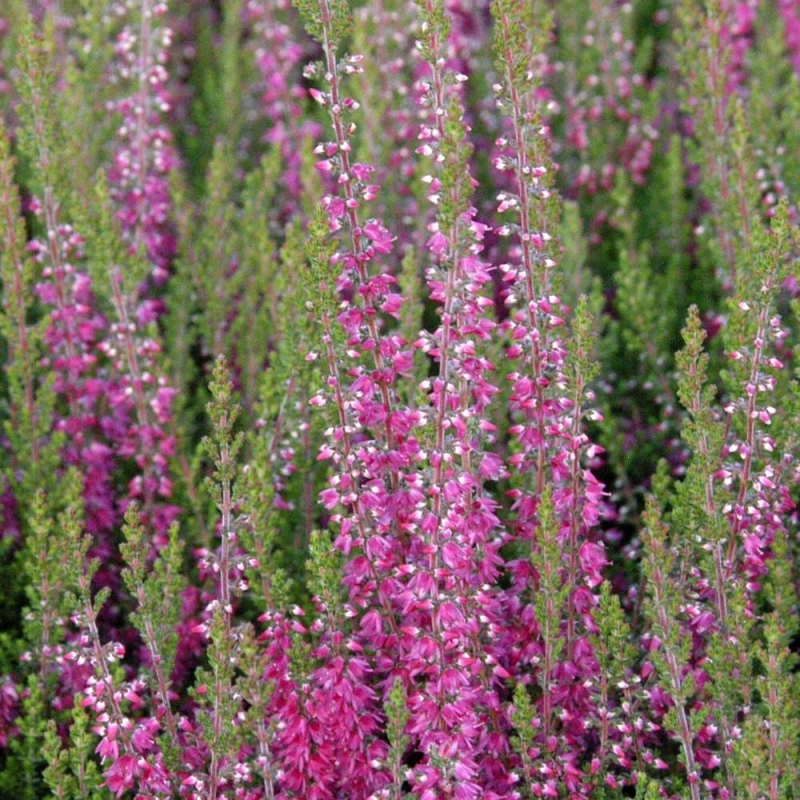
(399, 400)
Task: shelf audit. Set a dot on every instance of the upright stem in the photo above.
(351, 204)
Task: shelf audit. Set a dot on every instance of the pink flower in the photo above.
(121, 774)
(379, 236)
(593, 559)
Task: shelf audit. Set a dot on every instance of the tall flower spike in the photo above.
(278, 55)
(144, 156)
(558, 501)
(457, 557)
(369, 447)
(364, 396)
(609, 124)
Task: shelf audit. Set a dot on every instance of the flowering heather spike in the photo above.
(533, 204)
(546, 420)
(456, 547)
(279, 54)
(363, 241)
(743, 509)
(458, 275)
(363, 397)
(369, 449)
(144, 155)
(606, 102)
(757, 333)
(561, 502)
(386, 37)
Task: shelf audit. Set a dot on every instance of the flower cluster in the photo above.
(144, 154)
(791, 22)
(341, 457)
(278, 57)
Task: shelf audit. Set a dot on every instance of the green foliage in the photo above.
(773, 106)
(84, 100)
(647, 788)
(255, 285)
(214, 688)
(613, 643)
(385, 34)
(41, 138)
(435, 29)
(456, 151)
(722, 144)
(646, 303)
(523, 716)
(320, 247)
(22, 773)
(222, 447)
(107, 255)
(55, 574)
(521, 33)
(575, 271)
(703, 432)
(212, 259)
(325, 569)
(765, 760)
(550, 603)
(157, 589)
(278, 538)
(71, 772)
(411, 285)
(30, 400)
(222, 74)
(663, 612)
(397, 716)
(328, 21)
(582, 368)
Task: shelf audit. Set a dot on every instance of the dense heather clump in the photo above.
(399, 401)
